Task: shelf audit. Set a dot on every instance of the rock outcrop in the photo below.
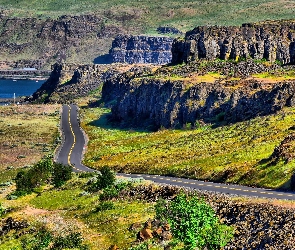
(271, 40)
(141, 49)
(173, 100)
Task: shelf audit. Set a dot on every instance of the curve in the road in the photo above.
(74, 143)
(73, 140)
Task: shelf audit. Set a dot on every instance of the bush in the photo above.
(105, 179)
(194, 223)
(109, 193)
(27, 180)
(61, 173)
(105, 205)
(39, 241)
(72, 240)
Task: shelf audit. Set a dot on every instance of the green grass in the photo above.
(147, 15)
(66, 209)
(234, 153)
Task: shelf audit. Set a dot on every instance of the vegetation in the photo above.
(28, 180)
(237, 153)
(61, 173)
(27, 133)
(99, 223)
(146, 16)
(194, 223)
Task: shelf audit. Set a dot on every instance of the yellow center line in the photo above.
(74, 140)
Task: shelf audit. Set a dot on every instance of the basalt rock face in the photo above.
(154, 101)
(141, 49)
(270, 40)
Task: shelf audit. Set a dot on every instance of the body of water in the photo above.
(19, 87)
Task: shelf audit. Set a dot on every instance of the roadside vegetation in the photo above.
(27, 133)
(146, 16)
(235, 153)
(94, 211)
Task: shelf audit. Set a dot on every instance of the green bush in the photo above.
(194, 223)
(105, 205)
(38, 241)
(27, 180)
(109, 193)
(105, 179)
(72, 240)
(61, 173)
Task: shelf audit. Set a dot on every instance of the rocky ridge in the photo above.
(174, 97)
(68, 82)
(271, 40)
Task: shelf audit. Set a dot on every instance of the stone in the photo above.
(145, 234)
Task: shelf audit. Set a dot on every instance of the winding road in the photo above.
(74, 143)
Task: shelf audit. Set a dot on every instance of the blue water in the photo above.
(19, 87)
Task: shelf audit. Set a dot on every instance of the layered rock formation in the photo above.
(173, 100)
(141, 49)
(269, 40)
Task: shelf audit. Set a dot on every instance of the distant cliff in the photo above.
(141, 49)
(271, 40)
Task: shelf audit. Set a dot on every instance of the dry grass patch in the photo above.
(27, 133)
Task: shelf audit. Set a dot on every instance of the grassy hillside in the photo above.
(145, 15)
(237, 153)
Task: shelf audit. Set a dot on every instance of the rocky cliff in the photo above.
(178, 96)
(270, 40)
(141, 49)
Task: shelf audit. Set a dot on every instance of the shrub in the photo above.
(72, 240)
(105, 205)
(109, 193)
(39, 241)
(61, 173)
(27, 180)
(194, 223)
(105, 179)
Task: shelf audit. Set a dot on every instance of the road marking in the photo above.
(254, 191)
(209, 185)
(270, 193)
(74, 141)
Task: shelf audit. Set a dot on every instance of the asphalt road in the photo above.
(74, 142)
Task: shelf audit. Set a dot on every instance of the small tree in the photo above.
(194, 223)
(61, 173)
(105, 179)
